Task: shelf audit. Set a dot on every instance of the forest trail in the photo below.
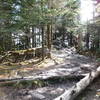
(66, 62)
(63, 62)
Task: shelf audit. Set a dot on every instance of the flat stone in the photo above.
(36, 95)
(27, 97)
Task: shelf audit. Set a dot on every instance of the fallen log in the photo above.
(22, 55)
(80, 86)
(41, 78)
(3, 57)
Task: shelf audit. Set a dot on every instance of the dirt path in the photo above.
(67, 62)
(48, 92)
(63, 62)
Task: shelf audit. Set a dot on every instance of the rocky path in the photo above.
(72, 64)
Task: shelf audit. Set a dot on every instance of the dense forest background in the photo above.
(28, 24)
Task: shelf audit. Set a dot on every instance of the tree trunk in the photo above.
(87, 40)
(70, 40)
(33, 41)
(51, 32)
(79, 42)
(49, 39)
(42, 42)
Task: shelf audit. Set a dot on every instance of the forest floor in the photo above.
(64, 62)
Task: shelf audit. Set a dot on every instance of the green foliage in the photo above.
(29, 84)
(18, 15)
